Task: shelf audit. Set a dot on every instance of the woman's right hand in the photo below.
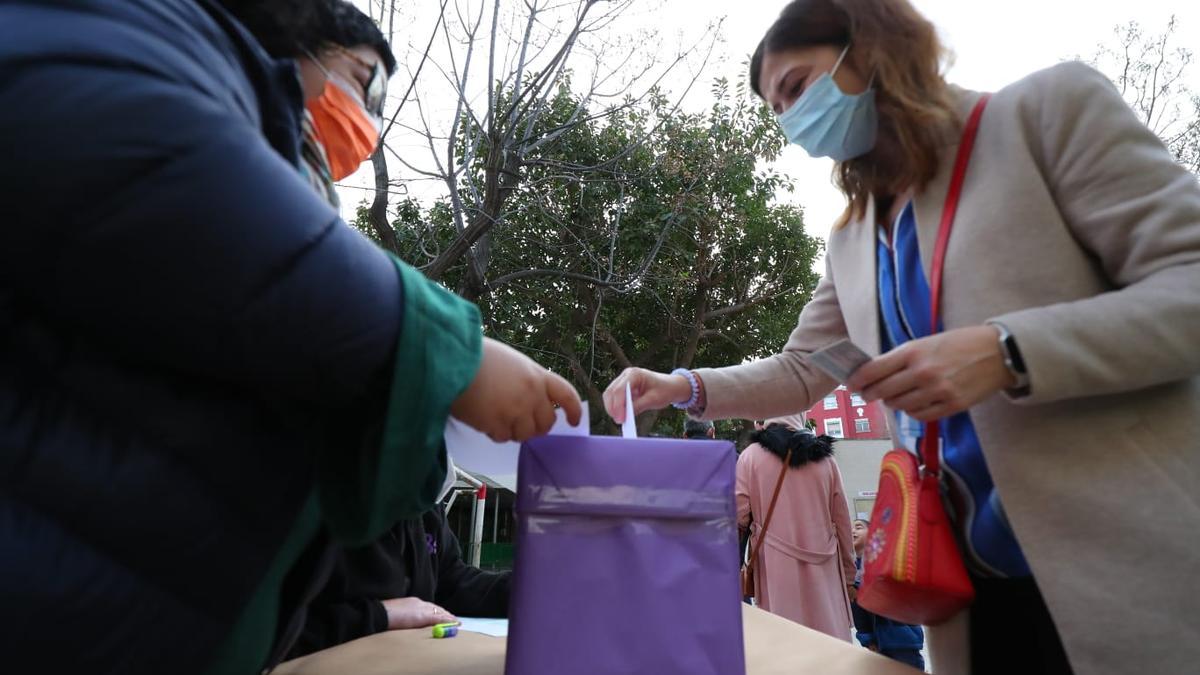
(512, 398)
(650, 390)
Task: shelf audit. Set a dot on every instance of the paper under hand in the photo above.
(474, 452)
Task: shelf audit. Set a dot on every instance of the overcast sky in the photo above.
(994, 43)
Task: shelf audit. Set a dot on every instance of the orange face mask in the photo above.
(344, 127)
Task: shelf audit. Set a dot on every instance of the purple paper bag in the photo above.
(626, 559)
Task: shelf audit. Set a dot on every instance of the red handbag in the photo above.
(912, 569)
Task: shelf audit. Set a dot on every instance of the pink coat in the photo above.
(807, 560)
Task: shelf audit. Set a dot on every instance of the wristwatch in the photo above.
(1013, 361)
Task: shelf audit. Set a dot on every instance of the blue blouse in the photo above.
(990, 549)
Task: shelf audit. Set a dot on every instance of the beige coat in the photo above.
(1078, 232)
(808, 556)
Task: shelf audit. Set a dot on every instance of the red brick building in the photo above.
(845, 415)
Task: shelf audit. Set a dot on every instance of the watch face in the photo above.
(1012, 355)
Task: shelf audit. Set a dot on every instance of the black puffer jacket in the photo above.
(186, 331)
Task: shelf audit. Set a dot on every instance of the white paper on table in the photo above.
(629, 426)
(474, 452)
(493, 627)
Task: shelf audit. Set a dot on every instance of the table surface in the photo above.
(774, 646)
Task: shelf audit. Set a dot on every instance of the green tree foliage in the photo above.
(644, 236)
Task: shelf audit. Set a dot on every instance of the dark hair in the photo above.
(801, 24)
(293, 28)
(892, 41)
(284, 28)
(351, 28)
(695, 428)
(806, 446)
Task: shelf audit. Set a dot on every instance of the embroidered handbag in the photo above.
(912, 569)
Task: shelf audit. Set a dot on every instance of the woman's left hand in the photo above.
(936, 376)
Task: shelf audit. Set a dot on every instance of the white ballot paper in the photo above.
(493, 627)
(629, 426)
(840, 359)
(474, 452)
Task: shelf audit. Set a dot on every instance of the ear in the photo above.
(859, 58)
(312, 78)
(857, 66)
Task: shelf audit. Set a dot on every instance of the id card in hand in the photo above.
(840, 359)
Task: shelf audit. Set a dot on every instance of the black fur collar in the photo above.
(805, 445)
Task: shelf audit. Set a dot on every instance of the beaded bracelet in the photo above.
(694, 400)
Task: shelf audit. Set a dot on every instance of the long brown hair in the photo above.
(916, 111)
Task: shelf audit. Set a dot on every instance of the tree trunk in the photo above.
(377, 214)
(502, 175)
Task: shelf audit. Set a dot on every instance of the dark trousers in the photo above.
(1011, 630)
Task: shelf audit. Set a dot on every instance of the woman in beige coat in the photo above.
(1068, 343)
(805, 562)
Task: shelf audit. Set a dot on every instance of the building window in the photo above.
(831, 402)
(862, 425)
(856, 400)
(833, 427)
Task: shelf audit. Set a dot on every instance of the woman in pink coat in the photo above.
(806, 564)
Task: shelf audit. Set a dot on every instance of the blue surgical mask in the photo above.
(829, 123)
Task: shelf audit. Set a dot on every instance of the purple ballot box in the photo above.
(626, 559)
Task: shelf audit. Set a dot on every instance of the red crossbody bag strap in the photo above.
(929, 442)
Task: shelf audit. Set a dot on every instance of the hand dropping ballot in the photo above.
(840, 359)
